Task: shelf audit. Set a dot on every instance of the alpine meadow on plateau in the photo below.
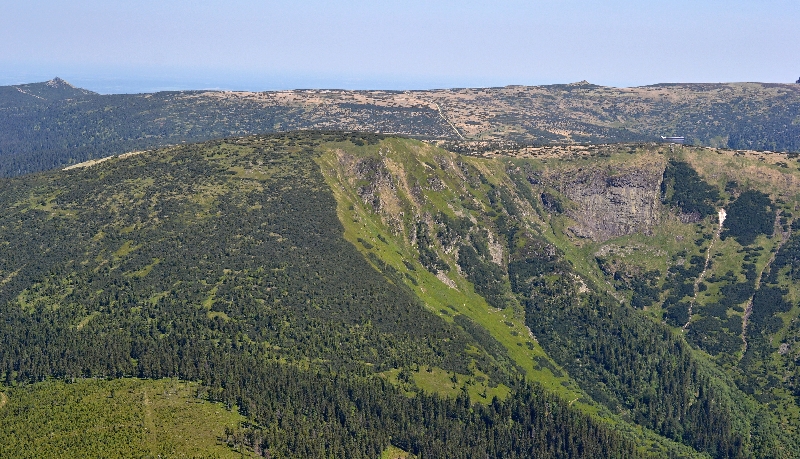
(391, 270)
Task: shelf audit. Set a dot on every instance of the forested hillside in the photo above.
(52, 124)
(352, 294)
(224, 263)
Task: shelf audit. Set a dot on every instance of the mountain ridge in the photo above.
(43, 134)
(46, 91)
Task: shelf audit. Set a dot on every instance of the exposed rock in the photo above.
(58, 83)
(446, 280)
(378, 178)
(436, 184)
(495, 249)
(693, 217)
(612, 203)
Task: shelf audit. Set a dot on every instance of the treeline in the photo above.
(312, 414)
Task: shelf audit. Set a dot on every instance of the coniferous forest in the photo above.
(224, 263)
(345, 294)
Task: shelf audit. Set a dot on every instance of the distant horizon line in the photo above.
(155, 88)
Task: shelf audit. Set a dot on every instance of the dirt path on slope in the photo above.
(3, 399)
(148, 424)
(448, 121)
(721, 215)
(748, 310)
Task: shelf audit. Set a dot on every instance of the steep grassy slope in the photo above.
(224, 263)
(543, 242)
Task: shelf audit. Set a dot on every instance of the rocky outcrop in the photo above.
(614, 200)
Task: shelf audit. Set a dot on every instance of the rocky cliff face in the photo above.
(612, 201)
(608, 198)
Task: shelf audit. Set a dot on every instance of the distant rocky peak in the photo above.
(58, 83)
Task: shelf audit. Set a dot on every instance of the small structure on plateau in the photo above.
(678, 140)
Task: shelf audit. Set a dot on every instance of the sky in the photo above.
(112, 46)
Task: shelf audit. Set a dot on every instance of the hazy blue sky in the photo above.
(145, 45)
